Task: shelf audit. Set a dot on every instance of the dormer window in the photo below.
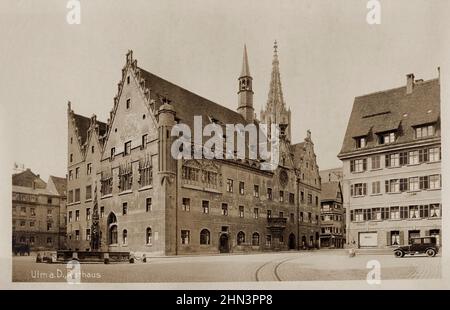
(127, 148)
(128, 103)
(361, 142)
(128, 79)
(424, 131)
(386, 138)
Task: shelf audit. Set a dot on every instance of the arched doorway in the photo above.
(292, 242)
(112, 228)
(304, 242)
(224, 244)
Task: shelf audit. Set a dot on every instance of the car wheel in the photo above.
(431, 252)
(399, 254)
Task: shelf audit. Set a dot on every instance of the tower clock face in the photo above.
(284, 178)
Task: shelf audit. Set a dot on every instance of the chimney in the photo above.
(409, 83)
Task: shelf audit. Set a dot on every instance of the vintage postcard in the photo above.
(224, 144)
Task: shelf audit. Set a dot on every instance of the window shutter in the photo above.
(402, 237)
(387, 161)
(386, 186)
(351, 216)
(352, 193)
(388, 238)
(364, 164)
(352, 166)
(364, 188)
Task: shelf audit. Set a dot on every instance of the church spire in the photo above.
(245, 67)
(245, 92)
(275, 110)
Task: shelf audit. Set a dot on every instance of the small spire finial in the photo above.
(275, 47)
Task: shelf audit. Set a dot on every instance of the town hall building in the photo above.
(122, 172)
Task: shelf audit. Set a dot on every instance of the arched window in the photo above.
(124, 236)
(148, 236)
(205, 237)
(113, 234)
(240, 238)
(255, 239)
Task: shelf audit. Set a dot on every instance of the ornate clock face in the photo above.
(284, 178)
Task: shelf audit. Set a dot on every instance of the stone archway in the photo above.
(292, 244)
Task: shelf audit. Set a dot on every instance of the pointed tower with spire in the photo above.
(245, 92)
(275, 110)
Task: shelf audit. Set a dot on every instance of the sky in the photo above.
(328, 55)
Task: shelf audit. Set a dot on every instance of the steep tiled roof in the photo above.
(329, 190)
(298, 151)
(60, 184)
(330, 175)
(27, 178)
(82, 123)
(392, 109)
(188, 104)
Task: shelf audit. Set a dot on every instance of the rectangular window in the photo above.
(376, 188)
(49, 241)
(291, 217)
(317, 201)
(148, 204)
(89, 169)
(424, 211)
(403, 185)
(310, 198)
(70, 175)
(125, 177)
(49, 200)
(434, 154)
(186, 205)
(413, 157)
(435, 181)
(77, 195)
(414, 184)
(414, 212)
(376, 162)
(280, 214)
(367, 214)
(269, 194)
(358, 165)
(281, 196)
(49, 212)
(77, 235)
(360, 142)
(387, 138)
(77, 215)
(113, 152)
(291, 198)
(423, 156)
(302, 197)
(127, 148)
(144, 141)
(70, 216)
(392, 160)
(269, 214)
(32, 211)
(88, 234)
(424, 182)
(435, 210)
(241, 188)
(241, 211)
(205, 206)
(395, 237)
(77, 172)
(88, 192)
(376, 214)
(124, 208)
(403, 158)
(358, 189)
(256, 191)
(102, 212)
(424, 131)
(255, 213)
(229, 185)
(403, 212)
(185, 236)
(224, 209)
(128, 103)
(88, 214)
(392, 186)
(395, 213)
(145, 171)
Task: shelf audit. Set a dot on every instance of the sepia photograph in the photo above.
(265, 144)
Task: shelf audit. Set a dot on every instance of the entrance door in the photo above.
(292, 242)
(223, 244)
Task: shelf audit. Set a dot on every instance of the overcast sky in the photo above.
(328, 55)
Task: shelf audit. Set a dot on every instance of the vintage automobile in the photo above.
(422, 245)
